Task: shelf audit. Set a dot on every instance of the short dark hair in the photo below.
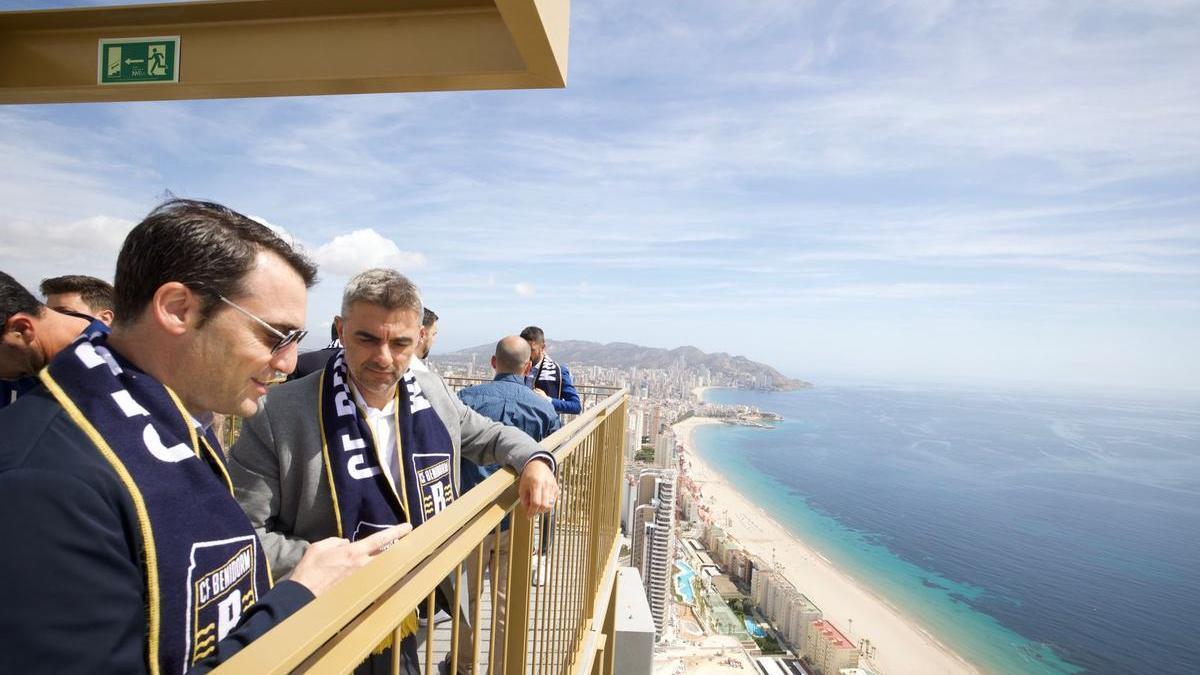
(534, 334)
(95, 293)
(15, 298)
(429, 318)
(206, 246)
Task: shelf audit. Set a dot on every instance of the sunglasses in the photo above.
(284, 339)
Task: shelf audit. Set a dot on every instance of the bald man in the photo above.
(507, 400)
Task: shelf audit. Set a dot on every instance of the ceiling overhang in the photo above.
(248, 48)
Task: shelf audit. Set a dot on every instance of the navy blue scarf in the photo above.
(364, 500)
(204, 564)
(547, 376)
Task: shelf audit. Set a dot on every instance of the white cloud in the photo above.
(32, 252)
(97, 238)
(524, 289)
(349, 254)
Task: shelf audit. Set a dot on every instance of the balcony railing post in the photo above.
(606, 660)
(516, 625)
(595, 520)
(573, 615)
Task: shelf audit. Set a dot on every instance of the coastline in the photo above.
(902, 645)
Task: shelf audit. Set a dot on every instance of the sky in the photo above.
(960, 191)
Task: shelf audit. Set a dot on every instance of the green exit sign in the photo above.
(138, 60)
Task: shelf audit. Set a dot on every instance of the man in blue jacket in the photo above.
(128, 553)
(508, 400)
(550, 378)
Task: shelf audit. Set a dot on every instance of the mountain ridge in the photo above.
(742, 370)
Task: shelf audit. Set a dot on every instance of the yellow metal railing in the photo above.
(557, 618)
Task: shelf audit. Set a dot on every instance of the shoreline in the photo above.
(902, 644)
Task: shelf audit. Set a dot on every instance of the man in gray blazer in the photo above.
(353, 423)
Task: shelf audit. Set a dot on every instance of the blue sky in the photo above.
(1000, 191)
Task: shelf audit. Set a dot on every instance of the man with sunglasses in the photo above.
(127, 551)
(31, 333)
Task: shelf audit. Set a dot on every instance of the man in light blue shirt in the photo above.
(509, 401)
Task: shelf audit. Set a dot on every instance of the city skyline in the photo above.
(911, 191)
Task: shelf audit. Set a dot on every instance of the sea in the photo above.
(1030, 531)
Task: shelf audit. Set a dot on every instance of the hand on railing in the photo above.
(538, 488)
(328, 561)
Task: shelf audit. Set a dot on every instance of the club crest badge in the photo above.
(221, 587)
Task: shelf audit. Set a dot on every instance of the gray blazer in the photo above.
(279, 475)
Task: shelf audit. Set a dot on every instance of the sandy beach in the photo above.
(901, 645)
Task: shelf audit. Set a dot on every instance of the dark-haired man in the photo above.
(31, 335)
(133, 555)
(549, 377)
(312, 361)
(81, 294)
(429, 329)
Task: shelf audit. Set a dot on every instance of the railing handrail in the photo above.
(579, 386)
(288, 645)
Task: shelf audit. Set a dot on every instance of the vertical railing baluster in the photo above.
(477, 611)
(516, 633)
(430, 611)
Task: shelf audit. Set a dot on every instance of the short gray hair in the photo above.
(387, 288)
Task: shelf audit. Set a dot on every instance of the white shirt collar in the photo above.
(373, 412)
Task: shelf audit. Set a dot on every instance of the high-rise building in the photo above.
(828, 650)
(653, 422)
(664, 450)
(652, 539)
(790, 611)
(633, 440)
(629, 502)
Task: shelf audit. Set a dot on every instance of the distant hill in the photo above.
(626, 355)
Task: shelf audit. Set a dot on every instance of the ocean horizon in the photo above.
(1030, 532)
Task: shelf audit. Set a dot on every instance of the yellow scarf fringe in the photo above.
(407, 627)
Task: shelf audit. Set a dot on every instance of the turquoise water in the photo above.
(1032, 535)
(683, 582)
(754, 629)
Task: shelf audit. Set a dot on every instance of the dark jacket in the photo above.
(11, 390)
(561, 389)
(310, 362)
(72, 581)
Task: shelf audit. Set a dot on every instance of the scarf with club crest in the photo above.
(364, 499)
(204, 565)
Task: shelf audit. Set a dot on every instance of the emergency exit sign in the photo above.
(138, 60)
